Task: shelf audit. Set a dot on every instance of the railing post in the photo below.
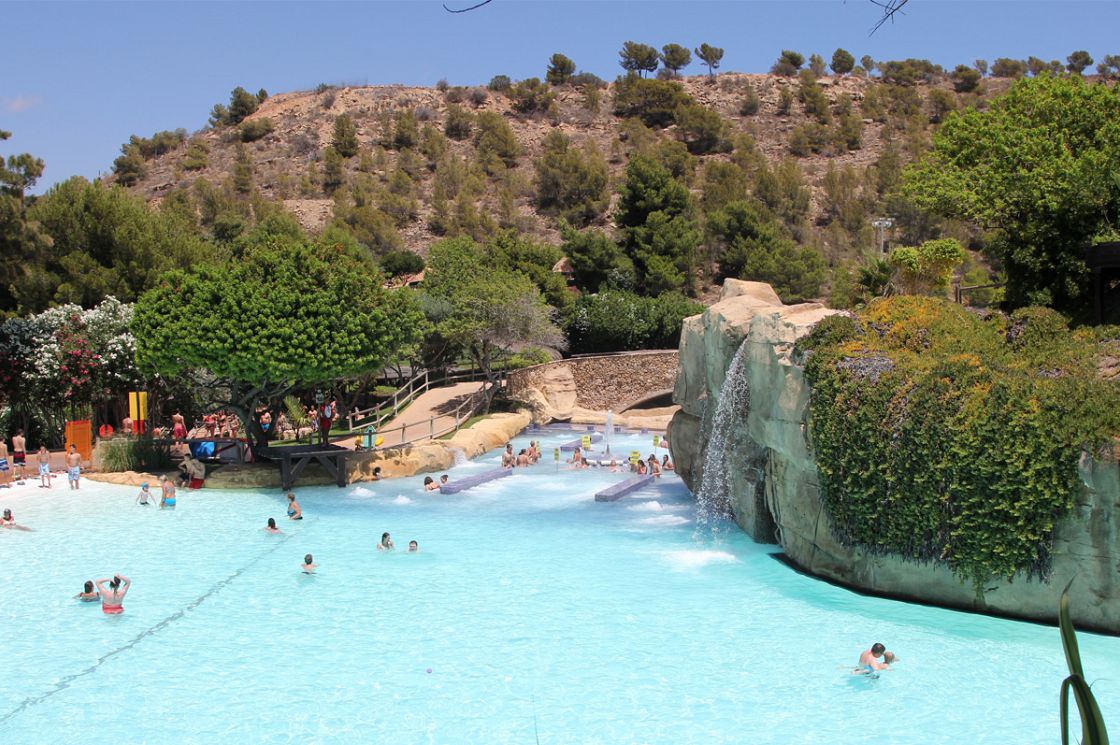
(431, 428)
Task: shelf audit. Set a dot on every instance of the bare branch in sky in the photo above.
(464, 10)
(890, 7)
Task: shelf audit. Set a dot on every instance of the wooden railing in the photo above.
(439, 424)
(421, 382)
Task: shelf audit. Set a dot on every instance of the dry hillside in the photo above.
(286, 161)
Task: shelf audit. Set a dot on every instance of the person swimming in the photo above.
(413, 547)
(666, 464)
(112, 593)
(7, 521)
(271, 527)
(430, 484)
(386, 543)
(294, 510)
(88, 595)
(869, 660)
(309, 565)
(142, 497)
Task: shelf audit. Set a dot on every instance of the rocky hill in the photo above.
(287, 162)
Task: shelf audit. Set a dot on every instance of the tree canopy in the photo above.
(1037, 168)
(287, 313)
(638, 58)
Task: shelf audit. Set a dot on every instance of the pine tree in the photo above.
(345, 140)
(675, 57)
(242, 170)
(638, 58)
(560, 69)
(710, 56)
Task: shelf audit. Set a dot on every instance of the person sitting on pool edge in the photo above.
(271, 527)
(112, 597)
(413, 547)
(430, 484)
(309, 565)
(88, 595)
(869, 660)
(386, 543)
(294, 510)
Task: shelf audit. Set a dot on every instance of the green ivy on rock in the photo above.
(946, 436)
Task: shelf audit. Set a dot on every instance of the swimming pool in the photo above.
(542, 617)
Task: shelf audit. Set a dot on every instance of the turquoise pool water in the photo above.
(541, 615)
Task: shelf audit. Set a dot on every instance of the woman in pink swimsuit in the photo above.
(112, 593)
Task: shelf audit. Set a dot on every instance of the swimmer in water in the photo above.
(294, 511)
(88, 595)
(443, 479)
(413, 547)
(509, 460)
(112, 593)
(168, 498)
(309, 565)
(869, 660)
(142, 497)
(271, 527)
(430, 484)
(8, 521)
(666, 464)
(386, 543)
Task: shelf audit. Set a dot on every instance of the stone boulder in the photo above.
(774, 487)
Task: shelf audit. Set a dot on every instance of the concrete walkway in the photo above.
(437, 402)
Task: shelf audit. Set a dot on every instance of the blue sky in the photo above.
(77, 79)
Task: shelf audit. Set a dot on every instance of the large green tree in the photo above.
(104, 240)
(21, 241)
(638, 58)
(1038, 169)
(287, 314)
(659, 233)
(571, 182)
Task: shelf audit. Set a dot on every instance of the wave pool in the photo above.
(532, 615)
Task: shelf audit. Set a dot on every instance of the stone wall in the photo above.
(566, 388)
(775, 492)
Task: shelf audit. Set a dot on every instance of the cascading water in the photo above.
(733, 406)
(460, 456)
(609, 430)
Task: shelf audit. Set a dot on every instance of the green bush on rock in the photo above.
(945, 436)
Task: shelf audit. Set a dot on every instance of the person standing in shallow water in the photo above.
(112, 593)
(309, 565)
(74, 467)
(44, 467)
(869, 659)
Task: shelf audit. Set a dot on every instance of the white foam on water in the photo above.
(697, 558)
(664, 521)
(362, 491)
(651, 506)
(402, 499)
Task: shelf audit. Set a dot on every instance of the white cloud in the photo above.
(21, 103)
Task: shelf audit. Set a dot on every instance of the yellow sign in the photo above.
(585, 441)
(656, 441)
(635, 456)
(138, 406)
(556, 454)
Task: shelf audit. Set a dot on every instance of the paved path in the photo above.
(438, 402)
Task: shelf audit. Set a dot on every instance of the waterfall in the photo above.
(733, 406)
(460, 456)
(609, 430)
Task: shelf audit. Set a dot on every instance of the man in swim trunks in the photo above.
(74, 467)
(19, 453)
(5, 476)
(869, 660)
(168, 497)
(112, 594)
(44, 458)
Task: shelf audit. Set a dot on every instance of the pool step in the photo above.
(458, 485)
(595, 437)
(621, 489)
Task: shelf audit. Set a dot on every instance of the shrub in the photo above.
(129, 165)
(425, 114)
(406, 131)
(1005, 67)
(458, 124)
(499, 83)
(119, 454)
(583, 79)
(442, 85)
(817, 65)
(785, 102)
(928, 268)
(842, 62)
(701, 129)
(1078, 61)
(941, 441)
(159, 143)
(495, 143)
(788, 63)
(458, 94)
(965, 79)
(560, 69)
(571, 183)
(809, 138)
(941, 104)
(334, 175)
(400, 263)
(531, 96)
(253, 130)
(478, 97)
(909, 71)
(750, 104)
(196, 156)
(654, 102)
(242, 103)
(345, 139)
(617, 320)
(812, 97)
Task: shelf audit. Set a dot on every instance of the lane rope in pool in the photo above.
(64, 683)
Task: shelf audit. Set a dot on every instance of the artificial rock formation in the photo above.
(774, 490)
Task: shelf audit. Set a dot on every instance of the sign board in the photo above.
(585, 442)
(635, 456)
